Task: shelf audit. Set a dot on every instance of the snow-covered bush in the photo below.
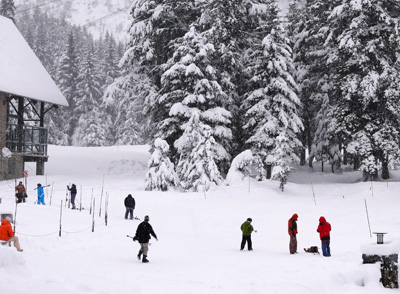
(161, 174)
(240, 167)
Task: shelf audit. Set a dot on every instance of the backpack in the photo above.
(312, 249)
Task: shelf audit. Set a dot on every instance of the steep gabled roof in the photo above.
(21, 72)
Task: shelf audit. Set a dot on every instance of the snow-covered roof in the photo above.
(21, 72)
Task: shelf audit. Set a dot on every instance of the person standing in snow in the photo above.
(143, 232)
(292, 226)
(324, 230)
(40, 193)
(130, 206)
(21, 192)
(7, 234)
(247, 229)
(73, 194)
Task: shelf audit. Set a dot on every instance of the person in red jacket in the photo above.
(7, 234)
(324, 230)
(292, 226)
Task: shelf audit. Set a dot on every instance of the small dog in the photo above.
(312, 249)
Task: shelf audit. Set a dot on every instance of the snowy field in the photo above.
(199, 236)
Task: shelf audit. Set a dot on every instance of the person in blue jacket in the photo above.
(40, 194)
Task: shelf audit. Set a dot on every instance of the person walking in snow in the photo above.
(73, 191)
(143, 232)
(21, 192)
(247, 229)
(40, 193)
(7, 234)
(324, 230)
(292, 226)
(129, 206)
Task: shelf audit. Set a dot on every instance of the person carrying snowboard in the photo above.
(73, 194)
(247, 229)
(143, 232)
(40, 193)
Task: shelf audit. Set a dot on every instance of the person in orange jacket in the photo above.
(292, 226)
(324, 230)
(7, 234)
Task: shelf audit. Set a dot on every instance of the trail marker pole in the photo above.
(51, 195)
(59, 233)
(106, 209)
(101, 197)
(94, 201)
(366, 209)
(15, 214)
(312, 187)
(91, 202)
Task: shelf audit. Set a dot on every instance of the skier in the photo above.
(7, 234)
(247, 229)
(40, 193)
(130, 206)
(293, 232)
(324, 229)
(143, 232)
(73, 194)
(21, 192)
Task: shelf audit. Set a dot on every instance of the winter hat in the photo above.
(146, 218)
(295, 216)
(39, 185)
(8, 219)
(249, 220)
(129, 195)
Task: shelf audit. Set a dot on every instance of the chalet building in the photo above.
(27, 93)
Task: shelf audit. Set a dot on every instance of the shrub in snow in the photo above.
(198, 150)
(240, 167)
(161, 174)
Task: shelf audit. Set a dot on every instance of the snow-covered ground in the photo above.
(199, 233)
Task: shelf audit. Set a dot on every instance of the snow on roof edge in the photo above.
(22, 73)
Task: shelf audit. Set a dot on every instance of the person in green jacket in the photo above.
(247, 229)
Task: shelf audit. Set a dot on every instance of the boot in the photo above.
(140, 254)
(144, 260)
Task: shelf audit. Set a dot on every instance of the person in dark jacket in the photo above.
(247, 229)
(21, 192)
(130, 206)
(324, 230)
(143, 232)
(73, 194)
(292, 226)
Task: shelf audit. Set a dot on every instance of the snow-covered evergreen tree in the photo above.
(309, 29)
(7, 9)
(91, 130)
(161, 174)
(197, 168)
(365, 58)
(189, 85)
(67, 77)
(272, 104)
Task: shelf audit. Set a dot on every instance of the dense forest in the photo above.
(204, 81)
